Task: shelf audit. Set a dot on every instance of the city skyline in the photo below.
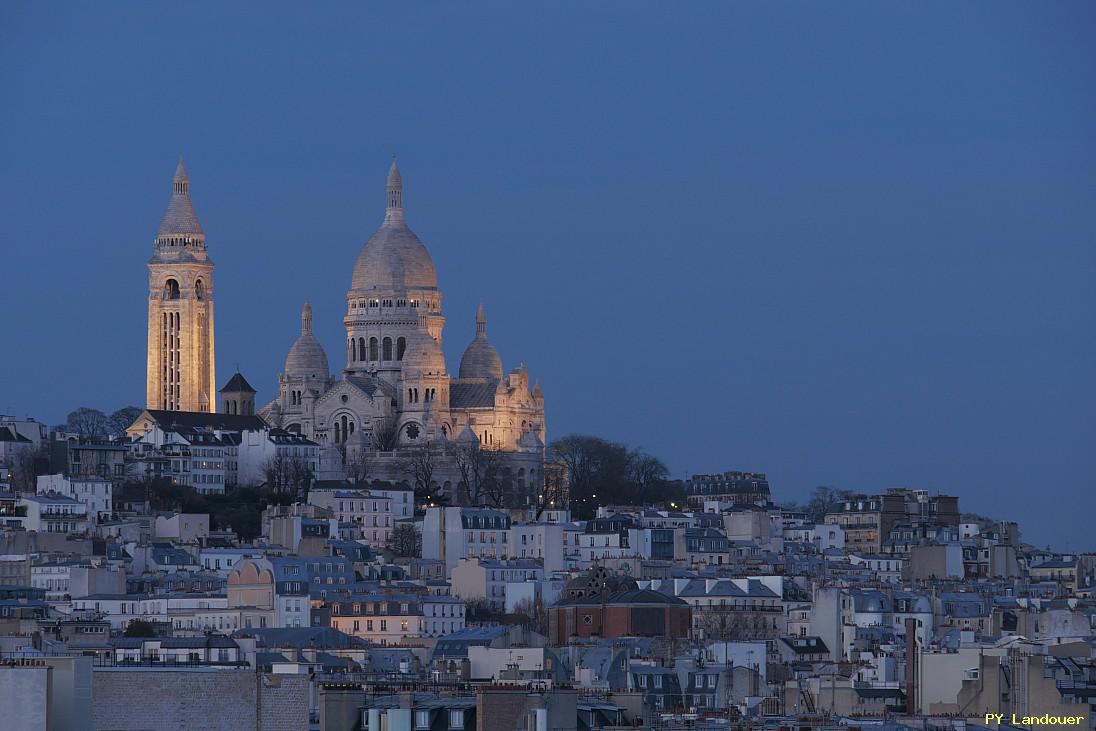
(892, 294)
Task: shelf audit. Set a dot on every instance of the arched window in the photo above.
(353, 349)
(171, 290)
(361, 348)
(387, 349)
(337, 433)
(351, 427)
(401, 347)
(199, 289)
(373, 348)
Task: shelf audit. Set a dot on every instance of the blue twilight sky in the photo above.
(843, 243)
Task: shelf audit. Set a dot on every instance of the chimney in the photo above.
(911, 666)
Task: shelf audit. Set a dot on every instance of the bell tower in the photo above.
(181, 374)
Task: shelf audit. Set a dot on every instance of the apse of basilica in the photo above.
(395, 389)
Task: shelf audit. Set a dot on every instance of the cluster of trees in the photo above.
(88, 422)
(405, 541)
(289, 477)
(823, 499)
(600, 472)
(241, 509)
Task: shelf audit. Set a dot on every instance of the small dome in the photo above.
(306, 357)
(422, 355)
(480, 359)
(357, 439)
(467, 437)
(530, 440)
(394, 259)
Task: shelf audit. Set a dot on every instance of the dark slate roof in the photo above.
(472, 395)
(628, 597)
(805, 645)
(10, 435)
(266, 659)
(368, 385)
(238, 383)
(456, 644)
(301, 637)
(203, 419)
(388, 660)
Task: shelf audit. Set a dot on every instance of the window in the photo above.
(374, 348)
(658, 680)
(456, 719)
(387, 349)
(422, 719)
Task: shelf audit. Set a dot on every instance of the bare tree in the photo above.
(717, 624)
(23, 470)
(535, 613)
(287, 475)
(418, 464)
(498, 479)
(552, 493)
(646, 470)
(88, 422)
(358, 462)
(825, 499)
(123, 418)
(579, 454)
(405, 540)
(385, 435)
(469, 461)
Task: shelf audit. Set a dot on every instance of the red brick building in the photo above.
(600, 604)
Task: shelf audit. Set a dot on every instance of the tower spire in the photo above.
(481, 320)
(180, 222)
(306, 318)
(394, 194)
(180, 184)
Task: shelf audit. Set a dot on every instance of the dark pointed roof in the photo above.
(170, 420)
(237, 384)
(10, 435)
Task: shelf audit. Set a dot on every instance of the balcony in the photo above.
(50, 514)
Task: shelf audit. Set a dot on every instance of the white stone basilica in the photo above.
(395, 387)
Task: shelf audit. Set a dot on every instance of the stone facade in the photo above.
(395, 391)
(181, 369)
(149, 699)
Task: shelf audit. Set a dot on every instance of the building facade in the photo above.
(395, 391)
(180, 358)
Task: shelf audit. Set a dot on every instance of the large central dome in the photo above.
(393, 260)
